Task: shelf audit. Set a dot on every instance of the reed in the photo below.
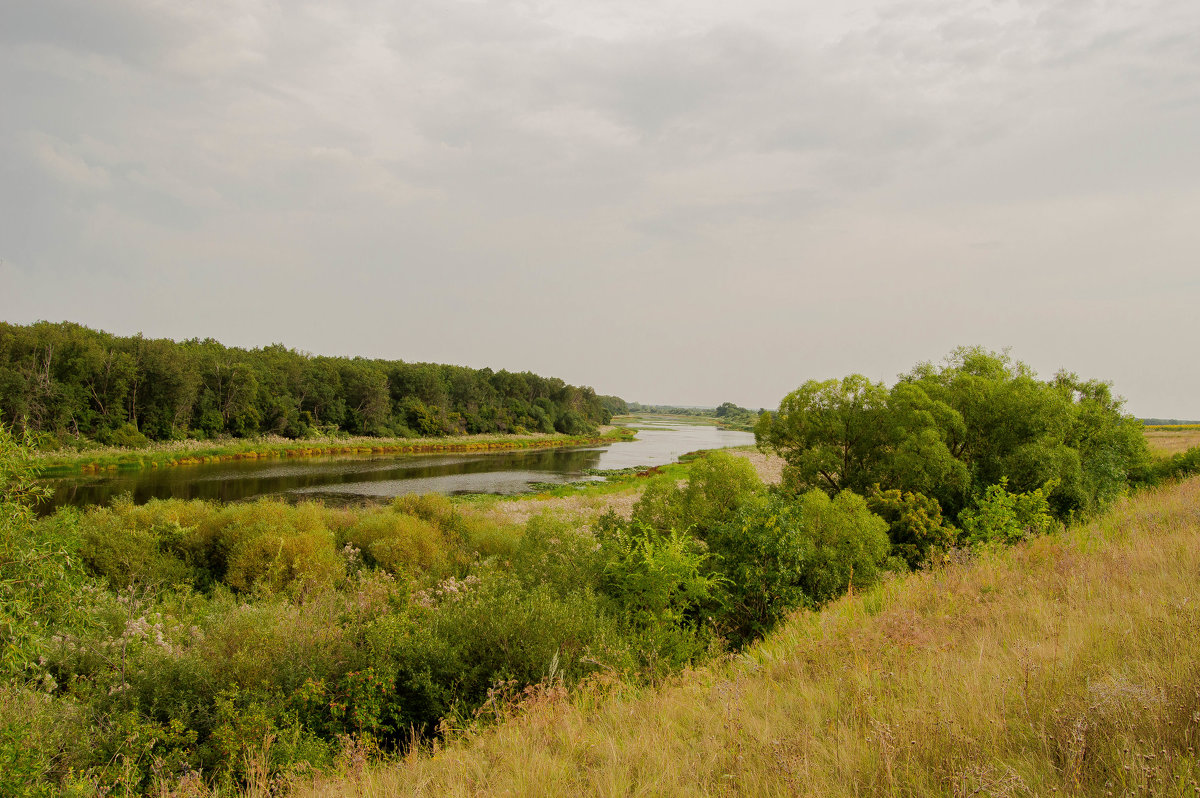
(184, 453)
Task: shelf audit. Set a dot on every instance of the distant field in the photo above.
(1173, 439)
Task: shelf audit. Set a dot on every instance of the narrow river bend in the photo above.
(351, 477)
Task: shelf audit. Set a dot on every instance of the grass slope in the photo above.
(1067, 665)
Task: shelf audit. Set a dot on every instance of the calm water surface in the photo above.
(351, 477)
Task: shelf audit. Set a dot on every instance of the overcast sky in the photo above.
(676, 202)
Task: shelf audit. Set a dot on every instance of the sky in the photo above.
(674, 202)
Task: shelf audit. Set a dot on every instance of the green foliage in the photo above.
(850, 544)
(399, 543)
(271, 562)
(613, 406)
(717, 485)
(761, 554)
(660, 582)
(39, 569)
(557, 553)
(1175, 467)
(1000, 516)
(950, 432)
(733, 417)
(125, 435)
(830, 433)
(71, 381)
(767, 554)
(778, 554)
(916, 527)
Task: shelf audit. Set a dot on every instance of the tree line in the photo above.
(71, 382)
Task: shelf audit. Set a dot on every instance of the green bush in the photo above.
(778, 554)
(659, 582)
(555, 552)
(999, 516)
(220, 536)
(126, 435)
(299, 562)
(916, 527)
(400, 543)
(718, 483)
(126, 552)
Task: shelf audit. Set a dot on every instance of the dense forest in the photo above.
(71, 383)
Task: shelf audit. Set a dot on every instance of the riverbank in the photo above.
(581, 503)
(184, 453)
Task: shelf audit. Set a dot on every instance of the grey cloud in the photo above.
(575, 184)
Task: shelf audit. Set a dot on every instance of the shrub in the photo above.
(999, 516)
(555, 552)
(218, 538)
(779, 554)
(916, 527)
(126, 435)
(659, 583)
(661, 505)
(399, 543)
(496, 630)
(466, 638)
(127, 551)
(272, 561)
(717, 485)
(432, 507)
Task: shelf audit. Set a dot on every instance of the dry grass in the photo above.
(1167, 441)
(768, 466)
(581, 509)
(1069, 665)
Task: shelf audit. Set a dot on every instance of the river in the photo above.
(356, 477)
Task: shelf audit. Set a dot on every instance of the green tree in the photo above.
(1002, 516)
(950, 432)
(831, 434)
(778, 553)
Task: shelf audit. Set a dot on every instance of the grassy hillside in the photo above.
(1066, 665)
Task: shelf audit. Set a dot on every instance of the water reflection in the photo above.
(375, 476)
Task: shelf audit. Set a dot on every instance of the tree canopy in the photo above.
(949, 432)
(66, 379)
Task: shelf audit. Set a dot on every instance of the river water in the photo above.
(354, 477)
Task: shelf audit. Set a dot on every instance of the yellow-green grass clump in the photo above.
(1067, 665)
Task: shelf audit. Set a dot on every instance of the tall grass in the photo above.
(1067, 665)
(190, 452)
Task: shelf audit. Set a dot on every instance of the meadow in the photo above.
(1066, 665)
(1173, 439)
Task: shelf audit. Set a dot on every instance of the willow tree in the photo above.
(951, 431)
